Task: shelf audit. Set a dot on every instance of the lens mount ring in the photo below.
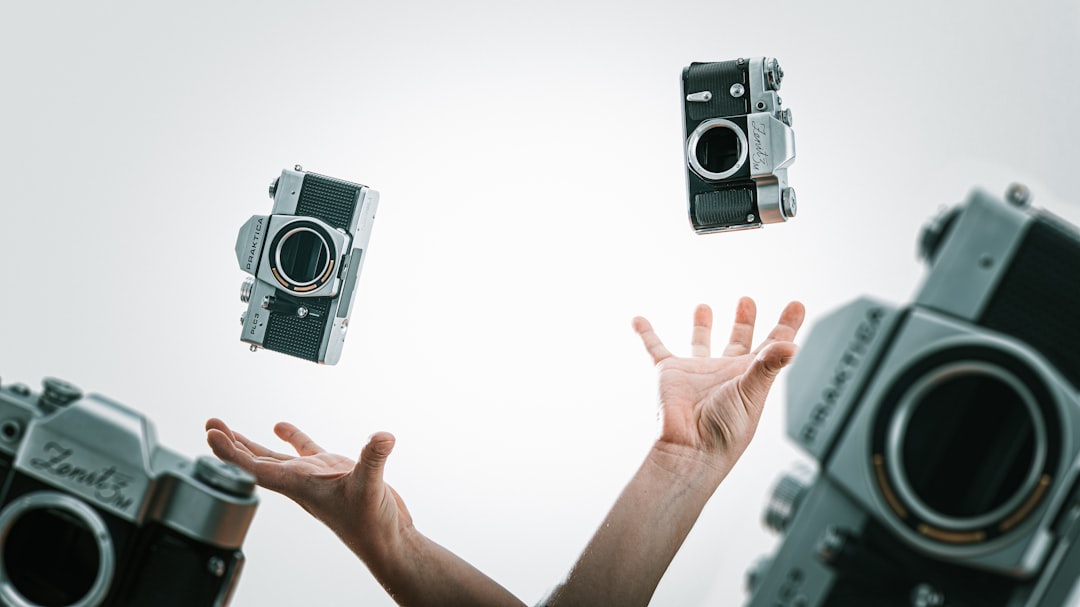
(281, 244)
(86, 515)
(320, 275)
(694, 140)
(906, 408)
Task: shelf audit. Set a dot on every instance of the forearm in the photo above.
(418, 572)
(624, 561)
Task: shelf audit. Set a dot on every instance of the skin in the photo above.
(709, 411)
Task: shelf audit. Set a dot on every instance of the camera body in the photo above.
(947, 431)
(93, 512)
(739, 143)
(304, 260)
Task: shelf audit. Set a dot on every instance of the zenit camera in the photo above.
(739, 143)
(947, 430)
(93, 512)
(304, 258)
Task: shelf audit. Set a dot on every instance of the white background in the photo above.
(529, 160)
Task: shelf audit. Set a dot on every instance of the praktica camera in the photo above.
(94, 513)
(739, 144)
(304, 260)
(947, 430)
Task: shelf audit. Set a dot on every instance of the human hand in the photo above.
(348, 496)
(712, 405)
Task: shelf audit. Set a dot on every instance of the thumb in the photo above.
(755, 383)
(373, 457)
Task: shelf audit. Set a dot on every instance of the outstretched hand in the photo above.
(713, 404)
(352, 499)
(348, 495)
(709, 409)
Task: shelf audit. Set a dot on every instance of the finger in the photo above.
(256, 450)
(298, 439)
(742, 331)
(702, 336)
(787, 327)
(373, 459)
(224, 447)
(216, 424)
(268, 473)
(653, 345)
(755, 382)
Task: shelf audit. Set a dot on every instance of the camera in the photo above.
(304, 259)
(946, 431)
(93, 512)
(739, 143)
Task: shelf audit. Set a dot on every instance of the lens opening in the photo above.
(56, 552)
(966, 445)
(716, 149)
(302, 256)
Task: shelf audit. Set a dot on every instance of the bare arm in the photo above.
(352, 499)
(709, 411)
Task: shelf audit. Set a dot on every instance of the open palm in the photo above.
(349, 495)
(713, 404)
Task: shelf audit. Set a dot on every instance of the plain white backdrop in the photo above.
(529, 161)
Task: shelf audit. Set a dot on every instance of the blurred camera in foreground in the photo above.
(304, 260)
(947, 431)
(93, 512)
(739, 143)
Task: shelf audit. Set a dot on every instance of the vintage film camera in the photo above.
(304, 258)
(93, 512)
(739, 143)
(947, 431)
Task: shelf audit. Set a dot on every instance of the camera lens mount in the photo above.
(716, 149)
(937, 416)
(302, 257)
(964, 448)
(39, 528)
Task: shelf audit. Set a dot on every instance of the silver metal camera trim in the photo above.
(774, 151)
(85, 514)
(770, 195)
(695, 138)
(911, 400)
(760, 93)
(318, 274)
(363, 221)
(287, 193)
(146, 481)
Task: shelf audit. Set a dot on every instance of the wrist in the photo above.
(696, 468)
(391, 556)
(378, 544)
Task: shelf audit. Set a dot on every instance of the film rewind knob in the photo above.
(784, 502)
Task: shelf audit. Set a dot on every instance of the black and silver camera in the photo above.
(739, 143)
(304, 258)
(947, 431)
(93, 512)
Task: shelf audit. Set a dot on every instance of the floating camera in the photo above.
(304, 258)
(739, 143)
(93, 512)
(947, 431)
